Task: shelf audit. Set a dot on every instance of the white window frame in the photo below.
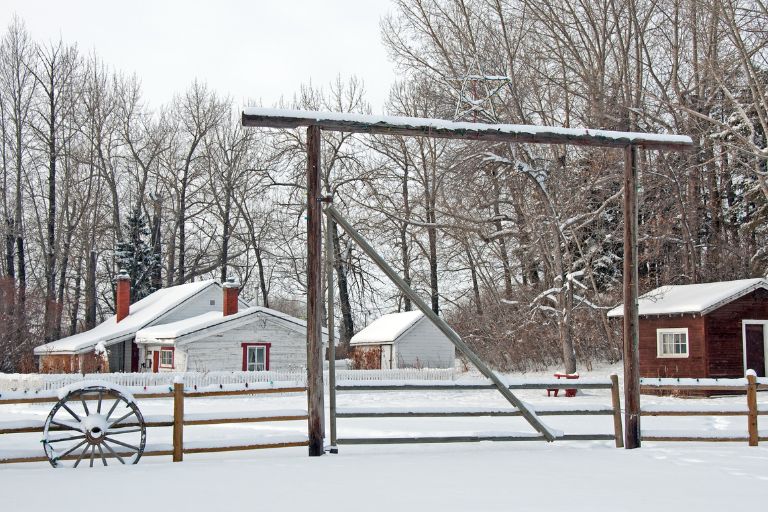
(744, 324)
(160, 363)
(256, 349)
(672, 330)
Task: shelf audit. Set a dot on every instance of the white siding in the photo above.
(197, 305)
(116, 354)
(424, 345)
(179, 361)
(224, 351)
(147, 352)
(127, 353)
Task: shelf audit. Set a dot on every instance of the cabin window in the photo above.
(672, 342)
(166, 358)
(255, 357)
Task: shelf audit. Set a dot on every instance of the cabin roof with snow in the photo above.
(142, 313)
(692, 298)
(214, 322)
(388, 328)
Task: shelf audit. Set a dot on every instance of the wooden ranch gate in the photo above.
(315, 122)
(613, 410)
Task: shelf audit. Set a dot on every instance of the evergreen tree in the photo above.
(137, 256)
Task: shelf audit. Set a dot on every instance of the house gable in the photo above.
(208, 299)
(424, 345)
(223, 351)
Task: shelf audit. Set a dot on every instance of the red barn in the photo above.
(703, 330)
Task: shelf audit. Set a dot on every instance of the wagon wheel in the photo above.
(94, 422)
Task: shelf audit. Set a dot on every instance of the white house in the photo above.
(194, 326)
(254, 339)
(406, 340)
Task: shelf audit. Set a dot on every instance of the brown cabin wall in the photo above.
(695, 365)
(715, 340)
(724, 333)
(70, 363)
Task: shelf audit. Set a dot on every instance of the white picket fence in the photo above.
(35, 382)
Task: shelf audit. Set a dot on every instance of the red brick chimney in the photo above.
(231, 290)
(123, 302)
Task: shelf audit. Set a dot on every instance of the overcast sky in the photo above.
(256, 49)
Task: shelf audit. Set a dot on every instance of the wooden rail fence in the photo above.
(178, 420)
(614, 410)
(749, 385)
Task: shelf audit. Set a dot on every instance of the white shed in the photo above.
(406, 340)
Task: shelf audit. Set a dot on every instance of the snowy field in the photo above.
(574, 476)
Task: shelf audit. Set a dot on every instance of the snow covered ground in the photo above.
(573, 475)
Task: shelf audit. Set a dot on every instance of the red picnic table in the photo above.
(568, 392)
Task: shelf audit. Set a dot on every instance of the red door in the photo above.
(755, 348)
(134, 357)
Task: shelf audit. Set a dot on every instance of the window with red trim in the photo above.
(166, 357)
(256, 357)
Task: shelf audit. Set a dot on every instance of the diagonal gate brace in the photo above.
(526, 412)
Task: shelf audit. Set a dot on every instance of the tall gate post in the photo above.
(316, 423)
(329, 267)
(631, 321)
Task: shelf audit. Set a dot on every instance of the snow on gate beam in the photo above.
(439, 128)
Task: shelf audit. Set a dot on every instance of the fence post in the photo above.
(618, 431)
(752, 405)
(329, 268)
(178, 421)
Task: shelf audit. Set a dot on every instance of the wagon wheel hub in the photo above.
(95, 428)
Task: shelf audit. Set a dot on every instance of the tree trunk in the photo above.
(170, 267)
(75, 308)
(262, 279)
(475, 286)
(433, 283)
(404, 246)
(182, 239)
(157, 278)
(56, 332)
(502, 240)
(347, 324)
(90, 292)
(225, 236)
(566, 337)
(9, 249)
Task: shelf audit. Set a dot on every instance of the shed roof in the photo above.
(212, 322)
(691, 298)
(141, 314)
(388, 328)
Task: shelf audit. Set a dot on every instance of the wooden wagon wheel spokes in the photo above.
(76, 431)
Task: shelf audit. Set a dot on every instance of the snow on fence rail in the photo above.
(38, 382)
(179, 391)
(750, 384)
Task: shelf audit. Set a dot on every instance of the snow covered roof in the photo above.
(692, 298)
(388, 328)
(141, 314)
(212, 322)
